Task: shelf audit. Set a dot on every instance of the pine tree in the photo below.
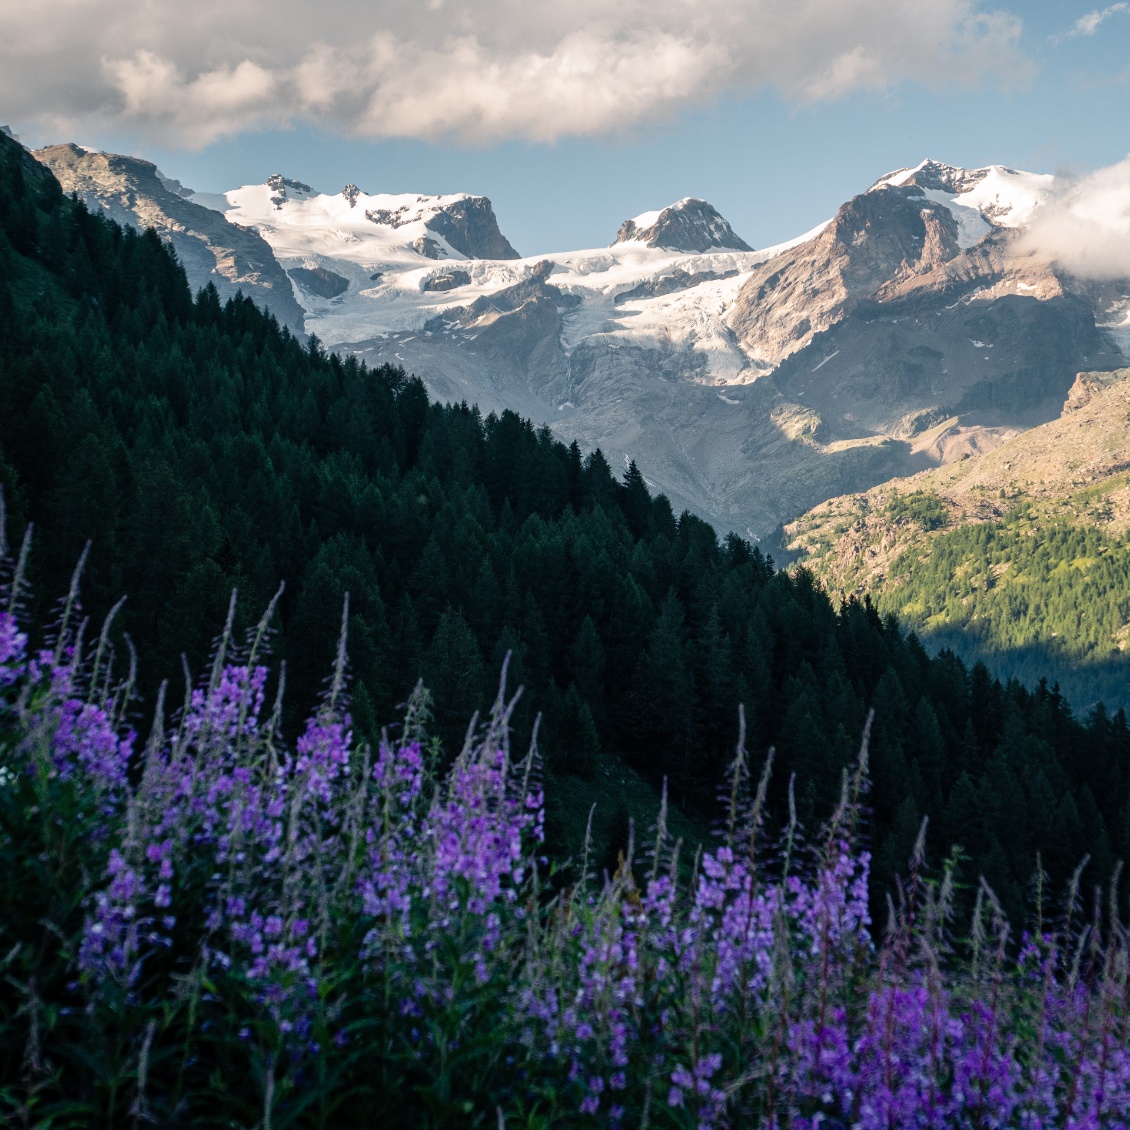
(454, 673)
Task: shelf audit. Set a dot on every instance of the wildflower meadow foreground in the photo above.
(204, 924)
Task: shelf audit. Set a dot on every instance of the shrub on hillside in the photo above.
(921, 506)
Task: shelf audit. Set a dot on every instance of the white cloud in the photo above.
(153, 87)
(1085, 227)
(478, 70)
(1089, 24)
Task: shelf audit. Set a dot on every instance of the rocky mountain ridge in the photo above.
(910, 330)
(133, 191)
(458, 226)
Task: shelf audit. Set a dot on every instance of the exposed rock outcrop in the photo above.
(428, 247)
(885, 315)
(1087, 386)
(445, 280)
(689, 225)
(675, 280)
(319, 281)
(132, 192)
(278, 184)
(469, 225)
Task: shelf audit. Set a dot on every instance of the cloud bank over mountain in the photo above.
(1085, 227)
(476, 70)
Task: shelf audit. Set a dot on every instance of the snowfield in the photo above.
(389, 277)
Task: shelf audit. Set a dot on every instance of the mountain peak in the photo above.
(468, 223)
(278, 184)
(937, 175)
(687, 225)
(1004, 197)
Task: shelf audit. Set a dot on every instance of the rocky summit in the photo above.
(689, 225)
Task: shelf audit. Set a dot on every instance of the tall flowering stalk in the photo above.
(316, 932)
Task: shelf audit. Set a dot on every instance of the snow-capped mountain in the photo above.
(908, 330)
(931, 225)
(688, 225)
(361, 228)
(905, 331)
(979, 198)
(919, 303)
(366, 265)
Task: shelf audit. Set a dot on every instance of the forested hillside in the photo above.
(1019, 556)
(201, 449)
(1032, 593)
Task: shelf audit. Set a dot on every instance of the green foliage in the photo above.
(922, 507)
(1038, 596)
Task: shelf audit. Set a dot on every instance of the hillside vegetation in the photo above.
(1020, 556)
(203, 449)
(218, 927)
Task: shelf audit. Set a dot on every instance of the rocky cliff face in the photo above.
(319, 281)
(876, 242)
(470, 226)
(689, 225)
(133, 192)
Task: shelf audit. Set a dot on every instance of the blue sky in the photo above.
(774, 162)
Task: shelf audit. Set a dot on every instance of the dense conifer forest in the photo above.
(201, 448)
(1033, 591)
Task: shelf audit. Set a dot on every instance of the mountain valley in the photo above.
(565, 566)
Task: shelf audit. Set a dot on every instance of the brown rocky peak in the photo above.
(688, 225)
(877, 240)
